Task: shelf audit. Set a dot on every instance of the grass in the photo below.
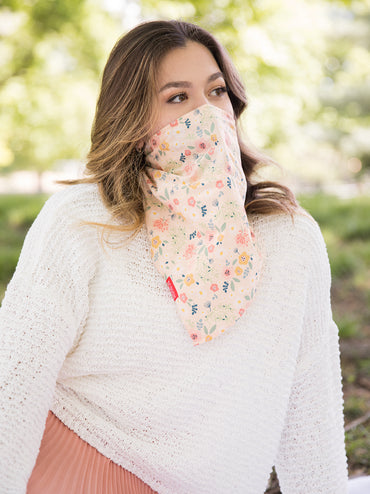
(346, 228)
(17, 213)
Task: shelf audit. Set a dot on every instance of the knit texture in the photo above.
(92, 333)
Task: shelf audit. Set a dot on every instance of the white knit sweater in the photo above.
(92, 333)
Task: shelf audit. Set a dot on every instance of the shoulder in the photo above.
(297, 238)
(298, 230)
(82, 202)
(62, 226)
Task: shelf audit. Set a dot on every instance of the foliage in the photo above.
(16, 216)
(51, 56)
(304, 63)
(345, 226)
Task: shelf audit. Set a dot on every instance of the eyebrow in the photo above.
(175, 84)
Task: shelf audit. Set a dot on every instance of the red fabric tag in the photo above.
(172, 288)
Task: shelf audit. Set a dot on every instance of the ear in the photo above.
(140, 145)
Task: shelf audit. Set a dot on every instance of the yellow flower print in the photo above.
(243, 258)
(220, 238)
(238, 271)
(156, 242)
(214, 137)
(194, 185)
(208, 337)
(164, 146)
(189, 279)
(157, 174)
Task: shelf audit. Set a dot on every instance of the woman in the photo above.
(197, 354)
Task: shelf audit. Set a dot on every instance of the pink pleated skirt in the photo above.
(68, 465)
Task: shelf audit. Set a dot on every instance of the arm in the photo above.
(45, 304)
(311, 457)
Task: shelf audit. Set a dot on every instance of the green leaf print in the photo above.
(212, 127)
(205, 329)
(212, 329)
(232, 286)
(163, 198)
(166, 193)
(237, 280)
(160, 250)
(207, 156)
(223, 227)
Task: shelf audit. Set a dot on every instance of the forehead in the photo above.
(193, 61)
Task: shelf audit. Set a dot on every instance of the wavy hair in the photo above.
(126, 106)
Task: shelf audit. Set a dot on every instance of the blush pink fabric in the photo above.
(68, 465)
(201, 242)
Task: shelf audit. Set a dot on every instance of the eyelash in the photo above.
(221, 89)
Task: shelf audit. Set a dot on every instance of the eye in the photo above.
(178, 98)
(219, 91)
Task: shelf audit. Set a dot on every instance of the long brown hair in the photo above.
(126, 107)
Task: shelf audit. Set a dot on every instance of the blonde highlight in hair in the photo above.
(126, 109)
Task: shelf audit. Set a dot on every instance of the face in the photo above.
(188, 78)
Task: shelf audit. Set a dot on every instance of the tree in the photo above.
(284, 51)
(52, 53)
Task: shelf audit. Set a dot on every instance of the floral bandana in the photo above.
(194, 189)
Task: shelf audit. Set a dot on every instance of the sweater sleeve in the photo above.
(311, 457)
(44, 307)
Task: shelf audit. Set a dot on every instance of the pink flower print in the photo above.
(219, 184)
(194, 336)
(187, 152)
(161, 224)
(174, 123)
(191, 201)
(189, 168)
(176, 201)
(200, 146)
(183, 297)
(242, 238)
(227, 273)
(211, 150)
(228, 168)
(154, 143)
(214, 287)
(190, 251)
(211, 248)
(241, 312)
(199, 234)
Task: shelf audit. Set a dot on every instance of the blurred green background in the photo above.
(305, 64)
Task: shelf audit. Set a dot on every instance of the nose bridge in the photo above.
(200, 99)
